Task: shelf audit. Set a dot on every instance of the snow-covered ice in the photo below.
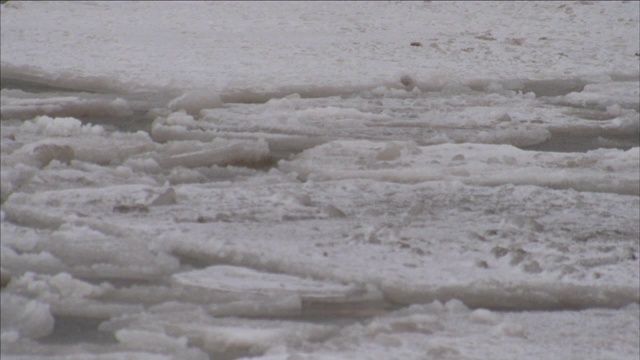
(298, 180)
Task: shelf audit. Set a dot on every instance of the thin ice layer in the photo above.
(247, 281)
(613, 171)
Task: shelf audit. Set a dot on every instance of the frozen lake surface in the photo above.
(367, 180)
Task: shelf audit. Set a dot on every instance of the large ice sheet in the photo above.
(423, 331)
(334, 229)
(290, 47)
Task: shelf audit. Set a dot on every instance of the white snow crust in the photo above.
(320, 180)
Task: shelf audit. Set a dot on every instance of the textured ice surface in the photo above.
(296, 180)
(318, 47)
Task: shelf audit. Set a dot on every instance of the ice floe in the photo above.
(299, 180)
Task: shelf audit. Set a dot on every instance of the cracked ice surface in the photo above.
(295, 180)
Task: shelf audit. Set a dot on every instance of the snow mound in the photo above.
(196, 100)
(24, 318)
(65, 126)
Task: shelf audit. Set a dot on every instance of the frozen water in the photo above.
(482, 165)
(297, 180)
